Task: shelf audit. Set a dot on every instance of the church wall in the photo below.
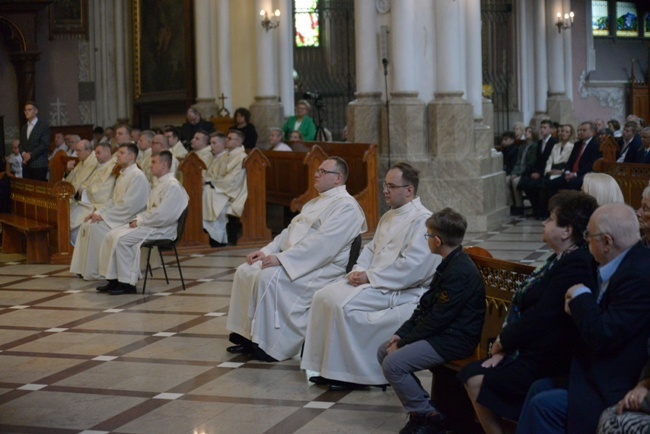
(57, 74)
(242, 45)
(8, 95)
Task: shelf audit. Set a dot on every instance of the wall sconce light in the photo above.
(270, 21)
(566, 23)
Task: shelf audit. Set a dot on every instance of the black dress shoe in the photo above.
(239, 349)
(110, 284)
(259, 354)
(123, 288)
(318, 380)
(214, 243)
(343, 386)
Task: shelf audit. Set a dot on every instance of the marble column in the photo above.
(205, 96)
(224, 79)
(558, 105)
(266, 111)
(463, 173)
(364, 113)
(568, 60)
(541, 71)
(407, 113)
(287, 93)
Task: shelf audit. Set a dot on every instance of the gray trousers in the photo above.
(399, 369)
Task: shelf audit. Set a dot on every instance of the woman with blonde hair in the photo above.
(560, 153)
(603, 187)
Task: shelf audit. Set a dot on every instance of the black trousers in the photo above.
(37, 173)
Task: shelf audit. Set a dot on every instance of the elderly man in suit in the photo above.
(643, 155)
(630, 142)
(34, 144)
(613, 321)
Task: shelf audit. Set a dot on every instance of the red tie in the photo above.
(577, 163)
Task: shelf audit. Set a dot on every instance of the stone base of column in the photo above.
(364, 118)
(464, 173)
(207, 108)
(488, 113)
(266, 112)
(560, 109)
(407, 127)
(537, 119)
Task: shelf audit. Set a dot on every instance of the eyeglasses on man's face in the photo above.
(321, 172)
(586, 235)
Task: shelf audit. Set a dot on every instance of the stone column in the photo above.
(224, 79)
(568, 60)
(205, 97)
(541, 71)
(463, 174)
(407, 113)
(558, 105)
(286, 57)
(364, 113)
(266, 111)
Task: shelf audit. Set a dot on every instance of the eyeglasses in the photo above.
(322, 172)
(393, 186)
(427, 236)
(586, 235)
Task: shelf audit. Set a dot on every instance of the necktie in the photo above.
(574, 169)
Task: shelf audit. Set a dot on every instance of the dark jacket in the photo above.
(613, 341)
(642, 157)
(188, 130)
(541, 157)
(509, 158)
(632, 149)
(544, 334)
(38, 144)
(450, 314)
(250, 135)
(589, 157)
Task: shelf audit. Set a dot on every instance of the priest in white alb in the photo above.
(94, 192)
(145, 152)
(130, 197)
(350, 318)
(224, 187)
(119, 255)
(272, 291)
(79, 172)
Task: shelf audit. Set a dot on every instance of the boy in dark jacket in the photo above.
(445, 326)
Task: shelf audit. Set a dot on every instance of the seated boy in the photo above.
(445, 326)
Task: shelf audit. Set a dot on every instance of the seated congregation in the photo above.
(572, 347)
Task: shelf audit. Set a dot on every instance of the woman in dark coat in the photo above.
(537, 336)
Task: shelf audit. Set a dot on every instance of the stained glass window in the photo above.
(600, 19)
(306, 23)
(626, 20)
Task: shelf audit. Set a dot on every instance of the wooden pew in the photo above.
(633, 178)
(292, 184)
(58, 166)
(253, 218)
(501, 279)
(39, 222)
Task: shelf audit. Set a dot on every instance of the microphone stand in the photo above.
(384, 61)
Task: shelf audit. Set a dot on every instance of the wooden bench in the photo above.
(39, 222)
(58, 166)
(501, 279)
(633, 178)
(253, 218)
(290, 180)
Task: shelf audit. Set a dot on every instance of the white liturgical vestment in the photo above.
(82, 171)
(97, 190)
(347, 323)
(178, 150)
(130, 197)
(119, 255)
(205, 155)
(270, 306)
(226, 192)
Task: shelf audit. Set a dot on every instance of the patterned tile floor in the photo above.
(76, 361)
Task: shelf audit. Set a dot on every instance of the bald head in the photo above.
(613, 228)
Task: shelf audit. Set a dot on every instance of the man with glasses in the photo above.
(272, 291)
(382, 290)
(613, 321)
(79, 172)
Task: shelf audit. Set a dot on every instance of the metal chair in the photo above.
(166, 244)
(355, 250)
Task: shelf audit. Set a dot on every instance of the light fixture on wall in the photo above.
(566, 23)
(270, 21)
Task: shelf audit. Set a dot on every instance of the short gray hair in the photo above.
(620, 222)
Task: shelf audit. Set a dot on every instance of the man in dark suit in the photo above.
(531, 183)
(34, 144)
(585, 153)
(613, 321)
(194, 124)
(643, 155)
(629, 143)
